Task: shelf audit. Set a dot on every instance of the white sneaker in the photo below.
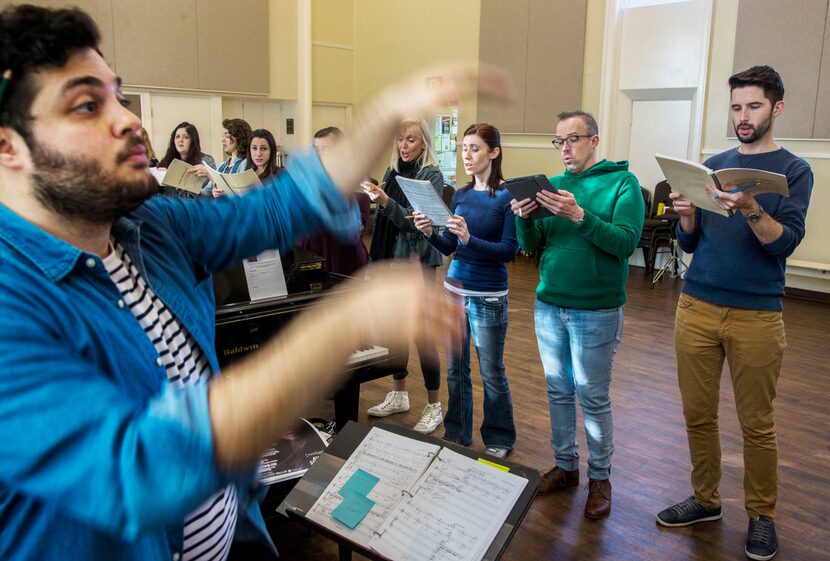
(395, 402)
(498, 452)
(430, 420)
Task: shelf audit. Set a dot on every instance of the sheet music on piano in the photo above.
(431, 502)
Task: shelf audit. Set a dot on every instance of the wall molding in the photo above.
(332, 45)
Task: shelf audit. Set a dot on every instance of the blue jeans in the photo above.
(487, 322)
(577, 349)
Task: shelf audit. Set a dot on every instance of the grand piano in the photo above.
(243, 326)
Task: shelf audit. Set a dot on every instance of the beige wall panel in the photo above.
(503, 41)
(332, 21)
(155, 42)
(332, 75)
(282, 15)
(101, 12)
(233, 45)
(821, 127)
(555, 51)
(787, 36)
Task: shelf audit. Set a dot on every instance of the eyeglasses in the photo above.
(571, 140)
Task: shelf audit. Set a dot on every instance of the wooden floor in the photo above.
(650, 465)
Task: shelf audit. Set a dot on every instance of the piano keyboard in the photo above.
(369, 353)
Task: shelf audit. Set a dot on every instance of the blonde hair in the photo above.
(421, 129)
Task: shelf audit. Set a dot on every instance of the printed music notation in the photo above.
(455, 512)
(431, 503)
(396, 460)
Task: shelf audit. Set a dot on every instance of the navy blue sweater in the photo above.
(730, 266)
(480, 265)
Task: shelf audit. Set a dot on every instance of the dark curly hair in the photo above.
(240, 130)
(194, 153)
(31, 38)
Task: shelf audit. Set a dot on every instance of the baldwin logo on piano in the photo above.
(240, 349)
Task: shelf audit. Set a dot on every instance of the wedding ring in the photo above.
(520, 213)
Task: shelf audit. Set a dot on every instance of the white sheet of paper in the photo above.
(264, 276)
(397, 460)
(424, 199)
(158, 173)
(456, 509)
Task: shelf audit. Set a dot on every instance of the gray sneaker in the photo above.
(688, 512)
(395, 402)
(761, 541)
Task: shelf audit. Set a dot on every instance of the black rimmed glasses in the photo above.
(571, 140)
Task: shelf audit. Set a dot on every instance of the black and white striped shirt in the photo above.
(208, 530)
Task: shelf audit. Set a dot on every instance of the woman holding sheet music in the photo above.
(482, 232)
(235, 139)
(184, 145)
(395, 237)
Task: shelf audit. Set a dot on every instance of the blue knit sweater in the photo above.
(730, 266)
(480, 265)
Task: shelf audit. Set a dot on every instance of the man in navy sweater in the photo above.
(731, 308)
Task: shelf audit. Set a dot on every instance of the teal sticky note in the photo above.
(360, 483)
(353, 509)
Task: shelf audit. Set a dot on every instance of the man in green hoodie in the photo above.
(596, 224)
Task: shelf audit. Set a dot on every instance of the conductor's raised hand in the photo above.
(523, 208)
(423, 223)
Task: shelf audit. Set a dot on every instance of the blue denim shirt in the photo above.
(100, 458)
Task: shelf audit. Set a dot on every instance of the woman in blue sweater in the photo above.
(482, 233)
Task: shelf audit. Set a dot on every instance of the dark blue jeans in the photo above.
(487, 323)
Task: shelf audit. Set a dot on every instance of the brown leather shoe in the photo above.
(598, 504)
(558, 479)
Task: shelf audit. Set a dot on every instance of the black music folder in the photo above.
(527, 187)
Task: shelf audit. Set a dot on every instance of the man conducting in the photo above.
(117, 438)
(731, 308)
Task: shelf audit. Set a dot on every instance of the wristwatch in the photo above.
(755, 215)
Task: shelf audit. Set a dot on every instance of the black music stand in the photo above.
(314, 482)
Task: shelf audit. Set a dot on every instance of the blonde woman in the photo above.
(395, 237)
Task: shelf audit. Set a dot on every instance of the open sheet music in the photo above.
(234, 183)
(178, 175)
(690, 178)
(430, 503)
(424, 199)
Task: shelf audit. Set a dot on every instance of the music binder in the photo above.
(527, 187)
(429, 502)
